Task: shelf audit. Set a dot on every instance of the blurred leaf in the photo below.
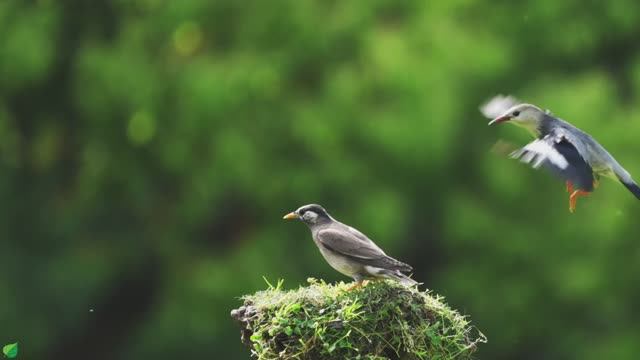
(10, 350)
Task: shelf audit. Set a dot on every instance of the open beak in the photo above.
(291, 216)
(499, 120)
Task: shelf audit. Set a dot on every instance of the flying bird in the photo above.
(348, 250)
(560, 147)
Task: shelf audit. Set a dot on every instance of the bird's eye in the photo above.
(516, 113)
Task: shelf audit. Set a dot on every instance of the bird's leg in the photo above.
(355, 285)
(569, 187)
(573, 199)
(596, 183)
(358, 284)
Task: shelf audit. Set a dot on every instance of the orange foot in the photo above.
(569, 187)
(573, 199)
(358, 285)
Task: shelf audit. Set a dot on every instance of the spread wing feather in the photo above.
(559, 155)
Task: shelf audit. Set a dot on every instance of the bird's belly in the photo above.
(601, 166)
(341, 263)
(603, 170)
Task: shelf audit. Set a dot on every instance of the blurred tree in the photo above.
(148, 149)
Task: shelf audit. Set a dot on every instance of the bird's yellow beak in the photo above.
(291, 216)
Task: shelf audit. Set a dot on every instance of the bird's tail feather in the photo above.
(400, 277)
(631, 185)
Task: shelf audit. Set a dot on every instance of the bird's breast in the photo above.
(340, 262)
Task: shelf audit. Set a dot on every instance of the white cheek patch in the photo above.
(539, 151)
(311, 216)
(530, 125)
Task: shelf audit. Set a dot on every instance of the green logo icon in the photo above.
(10, 350)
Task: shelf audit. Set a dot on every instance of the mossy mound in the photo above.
(383, 320)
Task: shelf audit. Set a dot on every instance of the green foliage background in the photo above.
(149, 148)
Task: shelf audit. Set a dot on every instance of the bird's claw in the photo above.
(573, 199)
(358, 285)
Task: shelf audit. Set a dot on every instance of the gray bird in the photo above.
(560, 147)
(348, 250)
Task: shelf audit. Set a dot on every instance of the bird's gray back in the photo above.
(346, 241)
(349, 232)
(589, 148)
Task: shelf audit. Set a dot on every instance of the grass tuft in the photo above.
(383, 320)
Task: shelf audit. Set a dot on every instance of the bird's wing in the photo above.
(347, 243)
(557, 153)
(497, 105)
(599, 158)
(355, 232)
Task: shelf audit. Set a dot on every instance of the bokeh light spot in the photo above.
(141, 128)
(187, 38)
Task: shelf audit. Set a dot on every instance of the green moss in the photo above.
(383, 320)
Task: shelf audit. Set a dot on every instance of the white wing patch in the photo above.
(537, 152)
(372, 270)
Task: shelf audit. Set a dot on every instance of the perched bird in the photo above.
(560, 147)
(348, 250)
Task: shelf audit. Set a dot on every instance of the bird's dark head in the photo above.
(310, 214)
(525, 115)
